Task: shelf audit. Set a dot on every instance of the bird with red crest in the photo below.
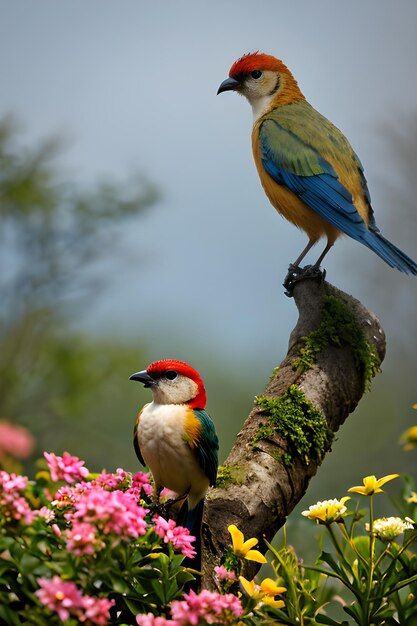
(175, 436)
(307, 167)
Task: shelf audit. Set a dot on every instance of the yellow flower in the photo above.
(412, 497)
(243, 549)
(270, 588)
(372, 484)
(248, 585)
(265, 592)
(409, 439)
(275, 604)
(327, 511)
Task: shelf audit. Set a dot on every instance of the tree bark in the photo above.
(267, 489)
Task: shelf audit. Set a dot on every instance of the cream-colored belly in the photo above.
(164, 450)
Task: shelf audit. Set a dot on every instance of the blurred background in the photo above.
(134, 226)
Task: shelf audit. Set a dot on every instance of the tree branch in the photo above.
(263, 478)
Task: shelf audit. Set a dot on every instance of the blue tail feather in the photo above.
(194, 519)
(388, 252)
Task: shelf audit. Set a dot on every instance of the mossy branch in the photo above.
(334, 352)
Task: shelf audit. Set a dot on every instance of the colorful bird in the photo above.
(307, 167)
(175, 437)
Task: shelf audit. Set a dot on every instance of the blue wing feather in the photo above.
(310, 177)
(207, 445)
(293, 162)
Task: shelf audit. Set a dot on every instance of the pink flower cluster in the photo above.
(224, 574)
(150, 620)
(179, 537)
(110, 511)
(13, 505)
(140, 481)
(113, 481)
(99, 507)
(66, 467)
(102, 505)
(65, 599)
(15, 440)
(207, 607)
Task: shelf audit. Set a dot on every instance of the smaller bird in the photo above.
(175, 437)
(307, 167)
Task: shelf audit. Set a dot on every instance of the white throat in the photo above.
(260, 106)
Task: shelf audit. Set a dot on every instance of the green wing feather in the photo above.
(207, 445)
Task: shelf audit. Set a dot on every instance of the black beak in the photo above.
(230, 84)
(143, 377)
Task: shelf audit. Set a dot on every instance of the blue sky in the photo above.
(132, 86)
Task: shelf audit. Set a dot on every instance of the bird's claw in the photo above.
(296, 273)
(164, 508)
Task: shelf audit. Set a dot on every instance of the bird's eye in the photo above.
(171, 375)
(256, 74)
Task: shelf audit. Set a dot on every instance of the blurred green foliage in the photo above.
(69, 388)
(61, 384)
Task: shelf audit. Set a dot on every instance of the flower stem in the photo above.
(371, 558)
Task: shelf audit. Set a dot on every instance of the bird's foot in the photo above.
(164, 508)
(296, 273)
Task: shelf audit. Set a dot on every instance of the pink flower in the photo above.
(67, 467)
(11, 482)
(140, 481)
(13, 506)
(179, 537)
(96, 610)
(167, 494)
(15, 440)
(111, 511)
(63, 497)
(224, 574)
(151, 620)
(112, 481)
(64, 598)
(56, 530)
(46, 513)
(208, 606)
(82, 539)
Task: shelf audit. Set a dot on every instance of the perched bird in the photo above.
(307, 167)
(175, 437)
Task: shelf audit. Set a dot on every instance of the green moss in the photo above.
(265, 432)
(231, 561)
(298, 421)
(339, 327)
(230, 475)
(274, 373)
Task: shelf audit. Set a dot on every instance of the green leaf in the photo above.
(325, 619)
(403, 583)
(28, 564)
(283, 617)
(134, 606)
(353, 612)
(9, 616)
(330, 560)
(146, 573)
(16, 552)
(118, 584)
(362, 545)
(159, 589)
